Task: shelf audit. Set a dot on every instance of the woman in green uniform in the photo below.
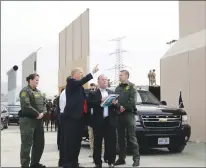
(32, 111)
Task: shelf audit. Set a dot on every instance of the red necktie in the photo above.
(85, 106)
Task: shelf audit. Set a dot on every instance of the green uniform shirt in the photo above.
(32, 102)
(127, 96)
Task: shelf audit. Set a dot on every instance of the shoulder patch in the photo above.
(23, 94)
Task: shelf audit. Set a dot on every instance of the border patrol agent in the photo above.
(33, 107)
(126, 119)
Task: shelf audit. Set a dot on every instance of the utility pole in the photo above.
(119, 59)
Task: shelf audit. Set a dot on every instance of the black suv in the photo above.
(159, 125)
(13, 113)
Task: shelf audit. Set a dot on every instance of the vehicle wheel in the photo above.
(176, 148)
(2, 125)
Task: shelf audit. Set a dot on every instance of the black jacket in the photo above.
(57, 108)
(97, 118)
(75, 97)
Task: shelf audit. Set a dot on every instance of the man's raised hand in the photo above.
(96, 69)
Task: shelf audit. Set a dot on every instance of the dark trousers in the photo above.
(108, 132)
(122, 141)
(61, 139)
(73, 129)
(59, 131)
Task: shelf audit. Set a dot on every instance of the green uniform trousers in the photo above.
(32, 137)
(126, 132)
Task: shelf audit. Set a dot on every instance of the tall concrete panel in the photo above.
(75, 38)
(69, 48)
(12, 85)
(29, 66)
(62, 49)
(85, 34)
(191, 17)
(62, 55)
(183, 67)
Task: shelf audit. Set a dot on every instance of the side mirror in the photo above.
(164, 103)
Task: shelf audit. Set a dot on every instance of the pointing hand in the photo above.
(96, 69)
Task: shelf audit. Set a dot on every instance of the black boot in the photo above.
(60, 163)
(98, 166)
(105, 161)
(38, 165)
(78, 166)
(120, 162)
(136, 164)
(111, 165)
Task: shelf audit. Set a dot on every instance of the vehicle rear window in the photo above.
(146, 97)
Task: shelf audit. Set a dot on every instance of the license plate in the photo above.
(163, 141)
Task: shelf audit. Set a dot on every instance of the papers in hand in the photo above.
(108, 101)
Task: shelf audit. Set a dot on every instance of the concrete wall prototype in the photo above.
(74, 48)
(12, 85)
(29, 66)
(183, 67)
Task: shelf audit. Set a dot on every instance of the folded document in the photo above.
(108, 101)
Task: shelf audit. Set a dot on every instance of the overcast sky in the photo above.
(26, 26)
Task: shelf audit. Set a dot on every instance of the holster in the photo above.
(28, 112)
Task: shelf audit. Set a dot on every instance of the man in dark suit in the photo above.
(74, 113)
(103, 121)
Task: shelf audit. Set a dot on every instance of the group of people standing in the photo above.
(78, 109)
(152, 77)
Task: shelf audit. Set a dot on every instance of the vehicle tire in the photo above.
(176, 148)
(2, 125)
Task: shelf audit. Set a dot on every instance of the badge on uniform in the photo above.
(37, 94)
(127, 88)
(23, 94)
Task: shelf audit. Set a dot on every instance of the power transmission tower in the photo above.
(119, 59)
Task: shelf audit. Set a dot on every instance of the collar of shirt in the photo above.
(102, 90)
(125, 83)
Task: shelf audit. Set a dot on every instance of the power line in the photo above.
(119, 59)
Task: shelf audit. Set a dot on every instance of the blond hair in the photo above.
(75, 70)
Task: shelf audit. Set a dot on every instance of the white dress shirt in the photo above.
(62, 101)
(104, 94)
